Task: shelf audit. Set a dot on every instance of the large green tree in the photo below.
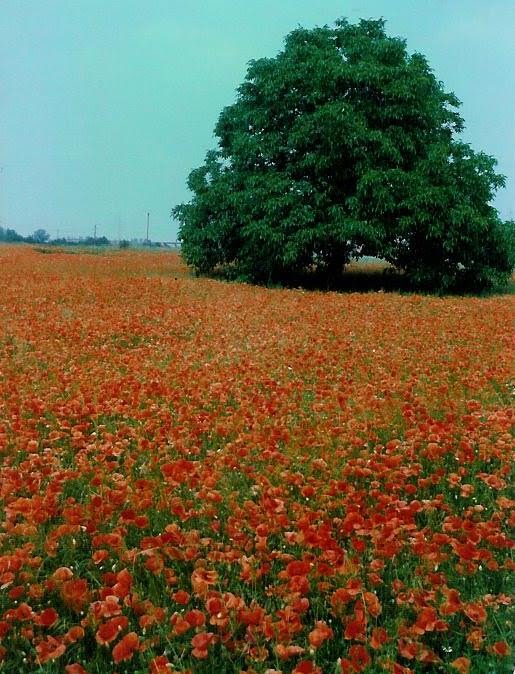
(345, 145)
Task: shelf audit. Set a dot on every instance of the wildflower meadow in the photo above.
(206, 477)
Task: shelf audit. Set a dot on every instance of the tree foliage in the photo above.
(341, 146)
(10, 236)
(39, 236)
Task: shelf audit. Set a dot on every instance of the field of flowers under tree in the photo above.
(206, 477)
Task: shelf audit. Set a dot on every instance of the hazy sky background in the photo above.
(106, 105)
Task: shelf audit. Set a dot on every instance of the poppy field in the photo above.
(203, 477)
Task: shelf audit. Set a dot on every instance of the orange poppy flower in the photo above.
(202, 579)
(75, 593)
(290, 651)
(462, 665)
(321, 633)
(74, 634)
(475, 612)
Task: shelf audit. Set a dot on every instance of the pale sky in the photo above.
(106, 105)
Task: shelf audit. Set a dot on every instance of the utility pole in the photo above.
(148, 222)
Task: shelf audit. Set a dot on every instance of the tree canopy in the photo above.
(341, 146)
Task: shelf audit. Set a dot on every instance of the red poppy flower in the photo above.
(74, 634)
(201, 579)
(355, 630)
(201, 643)
(50, 649)
(379, 637)
(306, 667)
(75, 668)
(286, 652)
(195, 618)
(75, 593)
(160, 665)
(372, 603)
(111, 629)
(125, 649)
(359, 657)
(47, 617)
(180, 625)
(321, 633)
(181, 597)
(500, 648)
(475, 612)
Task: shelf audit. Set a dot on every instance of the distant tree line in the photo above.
(10, 236)
(87, 241)
(41, 236)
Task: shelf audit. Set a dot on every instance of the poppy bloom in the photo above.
(50, 649)
(201, 643)
(124, 649)
(109, 630)
(426, 620)
(286, 652)
(379, 637)
(306, 667)
(258, 653)
(75, 668)
(74, 634)
(201, 579)
(372, 603)
(181, 597)
(500, 648)
(355, 630)
(408, 649)
(47, 617)
(475, 638)
(359, 657)
(462, 665)
(107, 608)
(195, 618)
(321, 633)
(123, 584)
(251, 616)
(452, 602)
(75, 593)
(180, 625)
(100, 556)
(160, 665)
(61, 574)
(475, 612)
